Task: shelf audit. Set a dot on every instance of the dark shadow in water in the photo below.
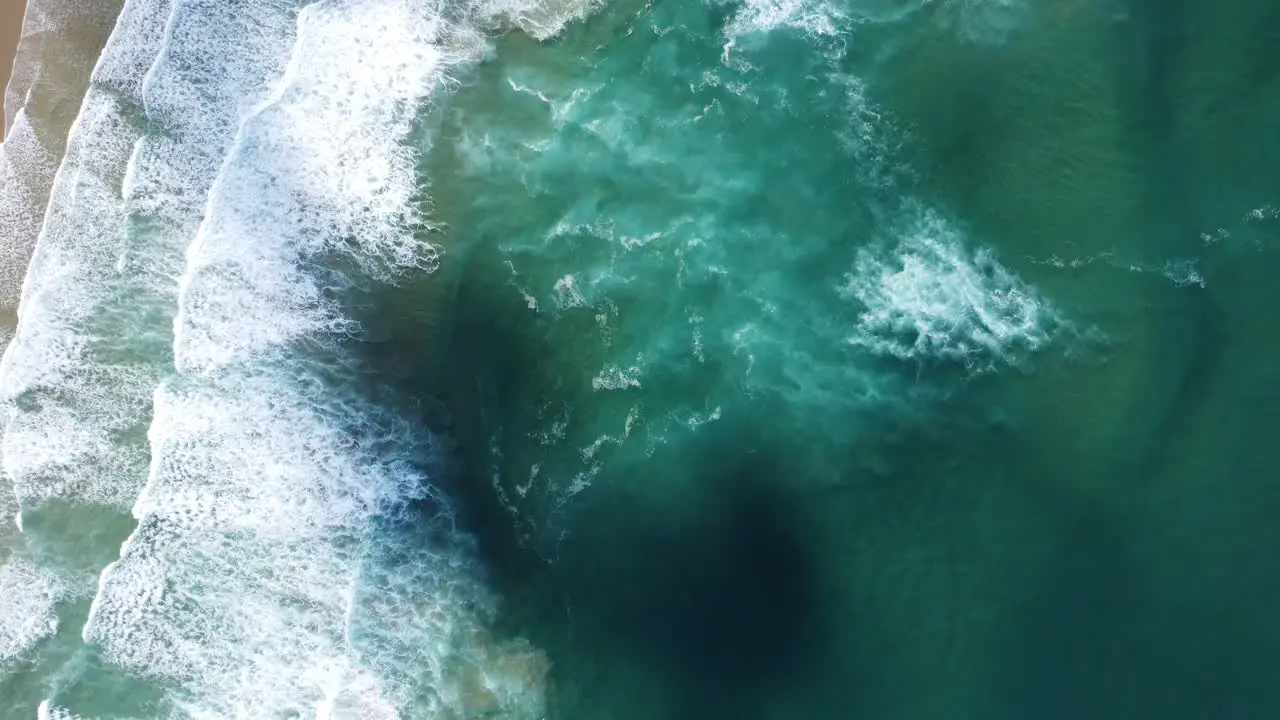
(718, 601)
(696, 603)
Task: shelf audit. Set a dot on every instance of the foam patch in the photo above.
(27, 598)
(931, 298)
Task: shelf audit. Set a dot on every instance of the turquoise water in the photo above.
(881, 359)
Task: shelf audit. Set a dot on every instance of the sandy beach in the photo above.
(11, 12)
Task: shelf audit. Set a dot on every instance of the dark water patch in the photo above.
(716, 599)
(702, 605)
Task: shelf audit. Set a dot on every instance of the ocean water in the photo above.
(585, 360)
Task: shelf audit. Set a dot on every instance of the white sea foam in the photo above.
(92, 340)
(54, 443)
(978, 21)
(321, 169)
(265, 577)
(816, 18)
(26, 168)
(931, 298)
(540, 19)
(612, 377)
(27, 598)
(48, 711)
(241, 580)
(59, 46)
(63, 410)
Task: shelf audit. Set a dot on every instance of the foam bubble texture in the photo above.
(219, 60)
(261, 579)
(930, 298)
(320, 170)
(258, 579)
(540, 19)
(132, 48)
(239, 577)
(27, 167)
(816, 18)
(48, 711)
(63, 410)
(27, 598)
(101, 302)
(60, 44)
(60, 413)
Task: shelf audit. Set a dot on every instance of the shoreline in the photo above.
(52, 47)
(12, 14)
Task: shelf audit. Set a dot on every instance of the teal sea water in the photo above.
(891, 359)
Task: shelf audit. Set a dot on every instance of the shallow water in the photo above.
(650, 360)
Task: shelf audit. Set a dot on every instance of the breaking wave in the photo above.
(236, 172)
(929, 298)
(262, 577)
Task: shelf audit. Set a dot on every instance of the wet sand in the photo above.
(47, 74)
(11, 12)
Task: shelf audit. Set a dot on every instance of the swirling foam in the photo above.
(688, 236)
(815, 18)
(930, 298)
